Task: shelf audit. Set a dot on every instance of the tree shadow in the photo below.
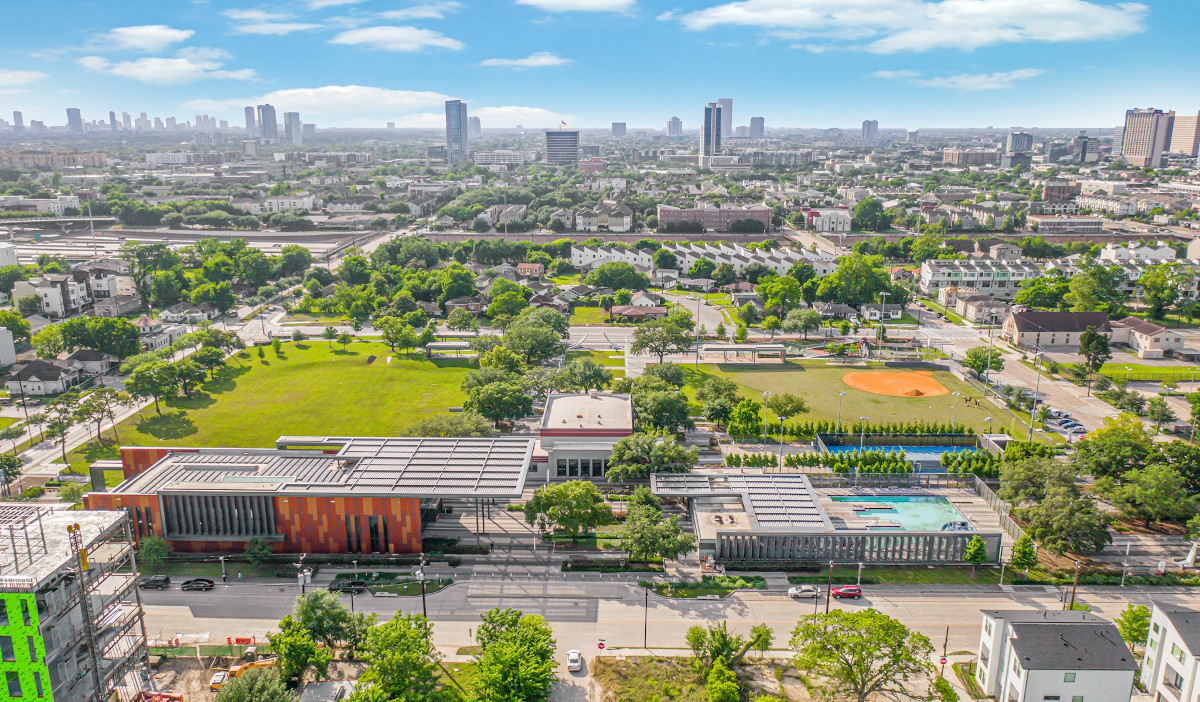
(345, 352)
(171, 425)
(226, 380)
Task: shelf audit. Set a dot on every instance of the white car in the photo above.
(800, 591)
(574, 661)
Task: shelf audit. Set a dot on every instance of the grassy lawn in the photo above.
(614, 361)
(456, 679)
(819, 385)
(7, 422)
(311, 389)
(719, 585)
(646, 679)
(412, 587)
(1144, 372)
(588, 315)
(605, 538)
(1169, 320)
(304, 317)
(561, 280)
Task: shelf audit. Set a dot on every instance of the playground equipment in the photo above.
(220, 677)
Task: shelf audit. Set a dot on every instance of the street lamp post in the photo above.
(1036, 389)
(989, 423)
(954, 421)
(862, 437)
(882, 313)
(840, 396)
(781, 420)
(766, 400)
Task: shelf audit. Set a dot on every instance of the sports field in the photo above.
(820, 385)
(311, 389)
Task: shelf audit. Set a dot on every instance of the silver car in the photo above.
(804, 591)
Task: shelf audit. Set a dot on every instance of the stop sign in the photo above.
(600, 645)
(942, 660)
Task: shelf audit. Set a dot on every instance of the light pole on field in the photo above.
(954, 421)
(840, 396)
(781, 421)
(766, 400)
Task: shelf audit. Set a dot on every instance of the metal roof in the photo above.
(359, 466)
(772, 501)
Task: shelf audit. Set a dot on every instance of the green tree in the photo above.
(49, 342)
(152, 553)
(329, 334)
(870, 216)
(746, 419)
(1119, 446)
(721, 685)
(62, 412)
(772, 324)
(1024, 553)
(761, 638)
(1093, 346)
(297, 651)
(15, 323)
(507, 304)
(72, 493)
(863, 653)
(189, 375)
(1028, 479)
(515, 662)
(403, 662)
(210, 359)
(926, 246)
(646, 534)
(975, 552)
(258, 550)
(781, 294)
(714, 644)
(617, 275)
(1134, 624)
(256, 686)
(660, 337)
(294, 259)
(456, 424)
(500, 401)
(155, 379)
(587, 375)
(1156, 492)
(1158, 411)
(11, 433)
(981, 359)
(786, 404)
(636, 456)
(500, 357)
(1161, 286)
(461, 320)
(322, 615)
(10, 470)
(575, 507)
(1066, 520)
(29, 305)
(802, 321)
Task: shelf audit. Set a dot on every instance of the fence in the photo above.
(824, 441)
(1154, 376)
(911, 547)
(999, 506)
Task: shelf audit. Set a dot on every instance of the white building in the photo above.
(1159, 252)
(578, 432)
(1169, 667)
(1035, 656)
(8, 254)
(1108, 203)
(836, 221)
(56, 206)
(999, 279)
(8, 351)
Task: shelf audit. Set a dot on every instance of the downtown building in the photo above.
(710, 134)
(714, 218)
(458, 146)
(562, 147)
(1146, 137)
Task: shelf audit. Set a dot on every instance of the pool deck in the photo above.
(972, 508)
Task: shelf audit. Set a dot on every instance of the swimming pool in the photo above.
(911, 512)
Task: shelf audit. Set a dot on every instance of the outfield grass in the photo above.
(1136, 371)
(819, 385)
(311, 389)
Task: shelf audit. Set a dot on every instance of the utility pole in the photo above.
(829, 588)
(646, 621)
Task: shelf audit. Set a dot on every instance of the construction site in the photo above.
(71, 619)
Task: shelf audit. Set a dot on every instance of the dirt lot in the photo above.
(189, 676)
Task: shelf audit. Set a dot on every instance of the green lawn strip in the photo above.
(410, 588)
(1142, 372)
(212, 570)
(456, 680)
(966, 675)
(561, 280)
(1170, 319)
(820, 384)
(646, 679)
(719, 585)
(608, 359)
(306, 317)
(589, 315)
(7, 422)
(950, 314)
(314, 388)
(942, 575)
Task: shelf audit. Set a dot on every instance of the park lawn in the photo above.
(588, 315)
(455, 682)
(819, 385)
(646, 679)
(312, 389)
(608, 359)
(1136, 371)
(6, 422)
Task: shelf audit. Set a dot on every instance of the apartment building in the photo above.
(998, 279)
(71, 623)
(1108, 203)
(687, 254)
(59, 294)
(1169, 668)
(714, 218)
(1061, 224)
(56, 206)
(1159, 252)
(1044, 656)
(1133, 270)
(970, 157)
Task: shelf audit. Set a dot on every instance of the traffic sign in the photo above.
(942, 660)
(600, 645)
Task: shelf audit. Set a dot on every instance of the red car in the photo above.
(846, 591)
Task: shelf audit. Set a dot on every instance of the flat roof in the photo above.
(1071, 646)
(42, 544)
(773, 502)
(593, 411)
(347, 466)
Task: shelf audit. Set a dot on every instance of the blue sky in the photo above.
(805, 63)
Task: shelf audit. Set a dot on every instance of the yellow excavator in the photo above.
(220, 677)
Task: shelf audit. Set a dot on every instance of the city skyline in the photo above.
(539, 63)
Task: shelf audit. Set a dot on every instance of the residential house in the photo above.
(835, 310)
(605, 217)
(634, 312)
(89, 362)
(948, 297)
(1031, 329)
(531, 270)
(59, 295)
(664, 277)
(39, 377)
(8, 348)
(645, 299)
(471, 303)
(1040, 655)
(740, 286)
(1172, 659)
(1146, 339)
(981, 309)
(696, 284)
(155, 335)
(117, 306)
(875, 312)
(186, 312)
(1160, 252)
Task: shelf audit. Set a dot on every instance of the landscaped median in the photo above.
(396, 583)
(709, 586)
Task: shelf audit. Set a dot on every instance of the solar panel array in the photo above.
(780, 501)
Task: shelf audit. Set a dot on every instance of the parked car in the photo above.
(155, 582)
(197, 584)
(804, 591)
(356, 586)
(574, 661)
(841, 591)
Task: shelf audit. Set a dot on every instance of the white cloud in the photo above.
(187, 66)
(512, 115)
(888, 26)
(396, 39)
(322, 4)
(969, 82)
(540, 59)
(580, 5)
(150, 38)
(431, 10)
(267, 23)
(668, 15)
(19, 79)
